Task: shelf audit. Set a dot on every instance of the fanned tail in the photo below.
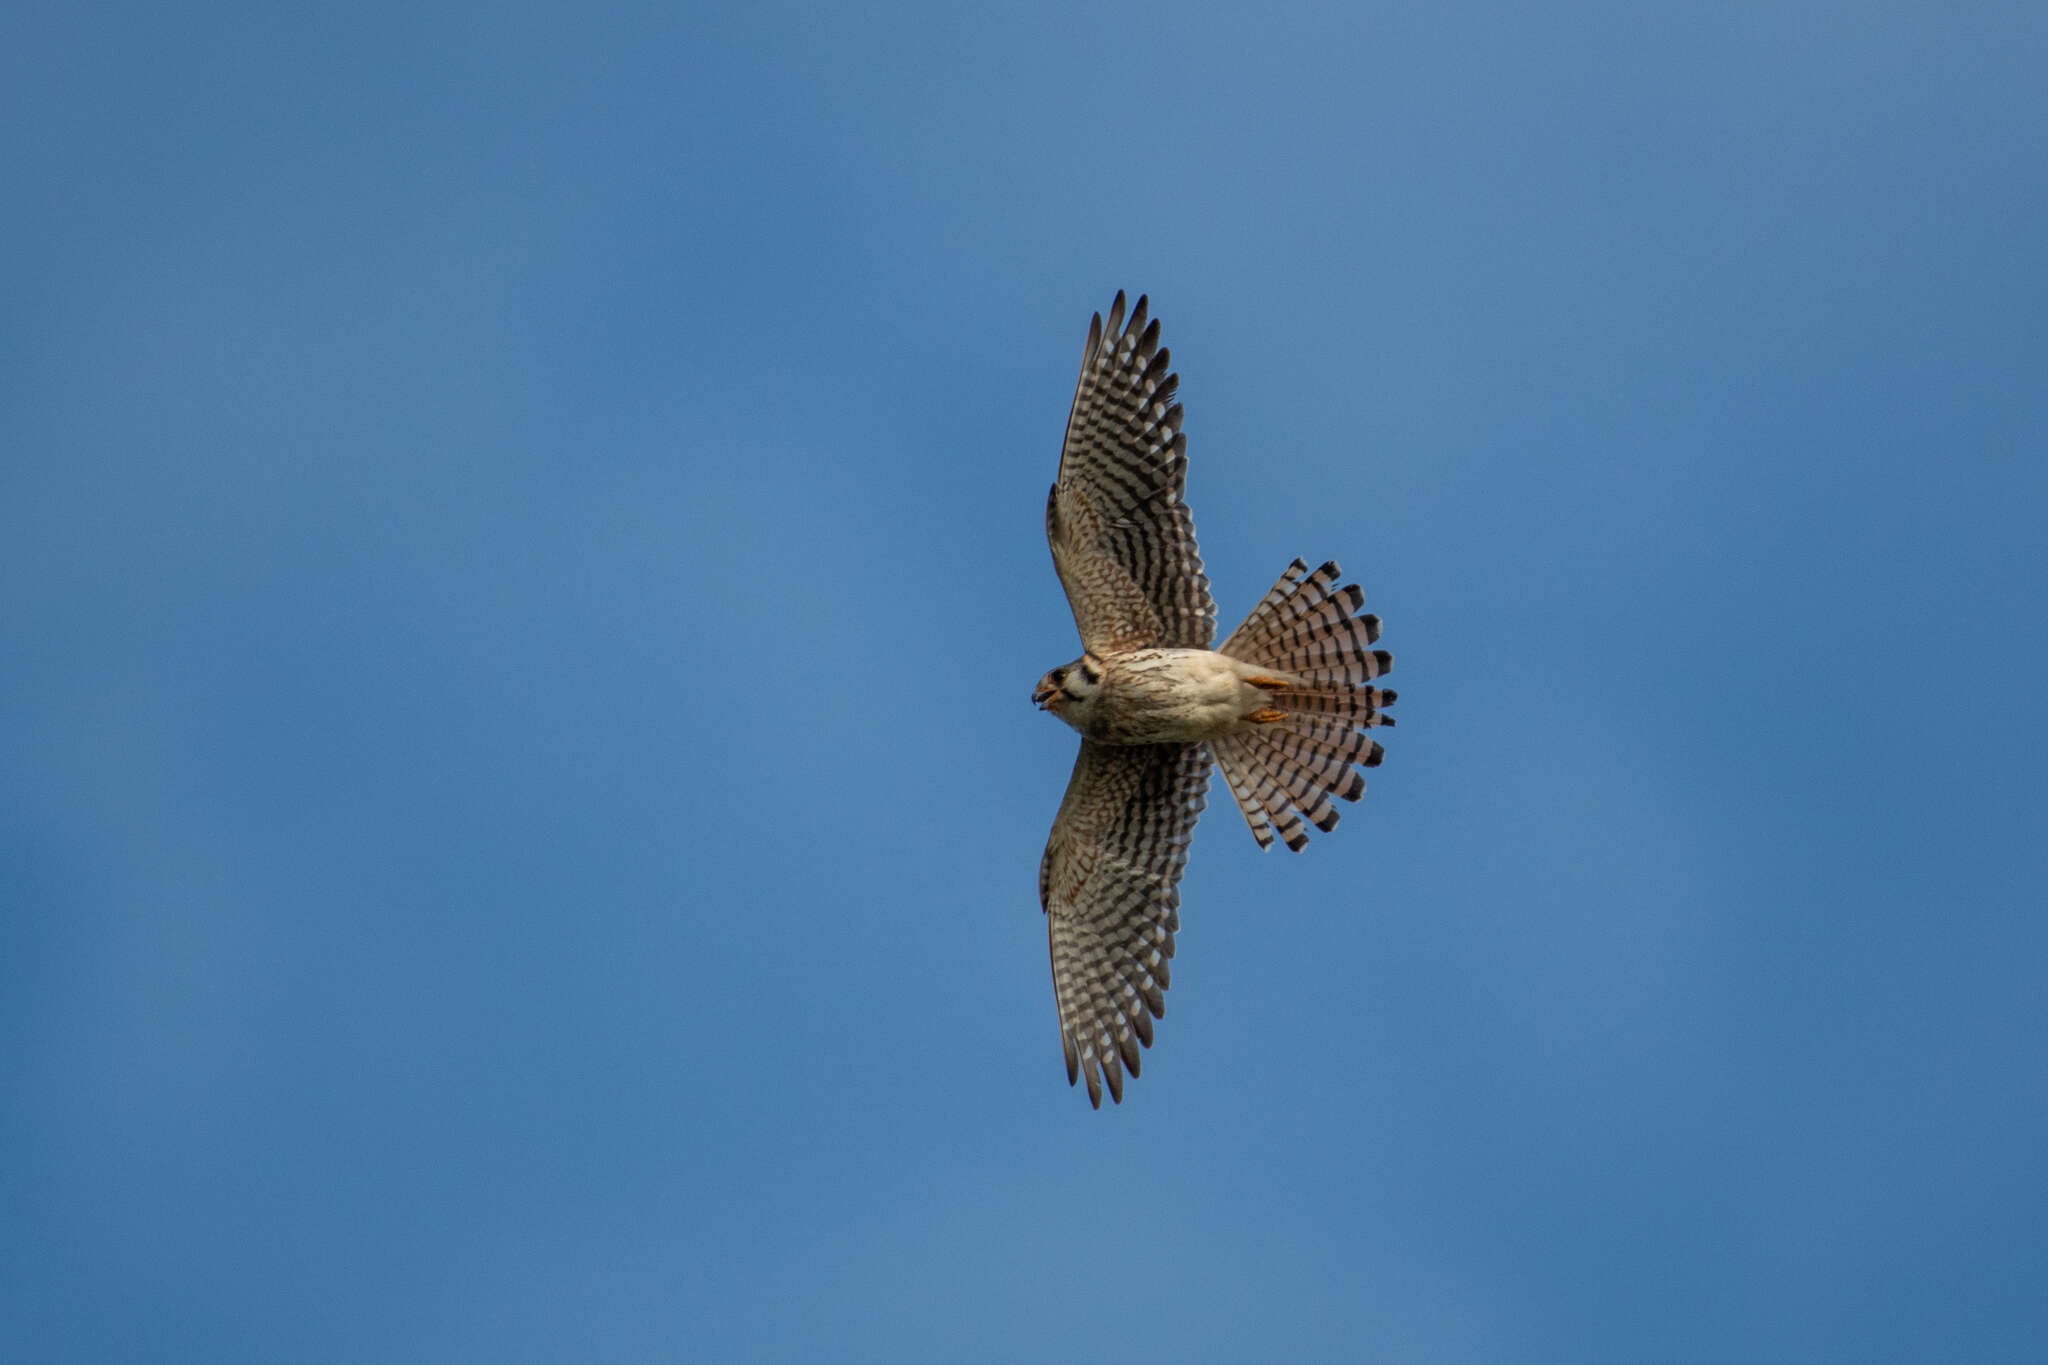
(1285, 770)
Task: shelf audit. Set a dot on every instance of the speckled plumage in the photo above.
(1284, 706)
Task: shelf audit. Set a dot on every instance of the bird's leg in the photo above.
(1263, 681)
(1266, 715)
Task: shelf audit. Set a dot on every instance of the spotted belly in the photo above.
(1165, 696)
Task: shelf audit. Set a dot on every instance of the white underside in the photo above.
(1161, 696)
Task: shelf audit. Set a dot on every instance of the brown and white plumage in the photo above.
(1122, 539)
(1110, 883)
(1284, 706)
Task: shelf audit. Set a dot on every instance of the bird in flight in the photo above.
(1285, 706)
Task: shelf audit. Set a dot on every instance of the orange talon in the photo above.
(1266, 715)
(1267, 682)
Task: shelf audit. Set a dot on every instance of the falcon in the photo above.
(1285, 706)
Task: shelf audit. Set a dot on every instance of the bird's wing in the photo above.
(1122, 537)
(1110, 885)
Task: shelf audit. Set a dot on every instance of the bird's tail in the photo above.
(1287, 764)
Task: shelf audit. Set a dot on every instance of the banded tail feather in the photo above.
(1308, 631)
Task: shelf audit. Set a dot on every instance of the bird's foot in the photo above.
(1266, 715)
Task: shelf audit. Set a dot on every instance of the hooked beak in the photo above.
(1043, 694)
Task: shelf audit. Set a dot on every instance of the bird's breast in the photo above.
(1164, 696)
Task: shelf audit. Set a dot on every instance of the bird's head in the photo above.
(1069, 691)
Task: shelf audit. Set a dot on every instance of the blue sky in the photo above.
(521, 570)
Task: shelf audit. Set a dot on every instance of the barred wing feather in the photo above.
(1110, 885)
(1122, 536)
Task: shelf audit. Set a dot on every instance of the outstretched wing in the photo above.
(1122, 538)
(1110, 885)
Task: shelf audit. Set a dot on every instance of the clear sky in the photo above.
(521, 574)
